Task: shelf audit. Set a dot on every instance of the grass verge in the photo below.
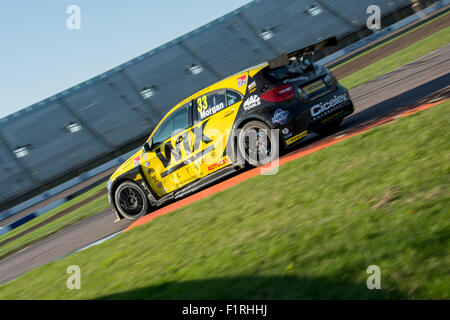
(398, 59)
(311, 231)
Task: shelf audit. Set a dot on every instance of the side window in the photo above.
(209, 104)
(233, 97)
(175, 123)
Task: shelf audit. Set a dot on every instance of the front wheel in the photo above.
(131, 201)
(257, 144)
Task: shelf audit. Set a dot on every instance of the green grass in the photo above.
(389, 41)
(310, 231)
(83, 212)
(398, 59)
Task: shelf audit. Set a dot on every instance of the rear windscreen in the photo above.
(280, 73)
(285, 72)
(293, 69)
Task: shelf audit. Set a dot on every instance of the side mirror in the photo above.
(147, 147)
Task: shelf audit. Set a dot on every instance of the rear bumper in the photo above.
(317, 114)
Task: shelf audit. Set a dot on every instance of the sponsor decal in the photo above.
(296, 138)
(322, 109)
(285, 131)
(252, 102)
(211, 110)
(181, 182)
(280, 116)
(333, 116)
(161, 187)
(137, 161)
(242, 80)
(252, 86)
(313, 87)
(217, 165)
(171, 151)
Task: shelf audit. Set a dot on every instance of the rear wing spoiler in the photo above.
(283, 59)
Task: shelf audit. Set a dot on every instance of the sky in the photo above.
(40, 56)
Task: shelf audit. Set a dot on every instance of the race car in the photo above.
(228, 126)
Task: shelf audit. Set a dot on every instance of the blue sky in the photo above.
(40, 57)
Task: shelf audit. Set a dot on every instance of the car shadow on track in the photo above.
(258, 288)
(408, 98)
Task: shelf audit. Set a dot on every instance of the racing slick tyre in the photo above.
(257, 144)
(329, 128)
(131, 201)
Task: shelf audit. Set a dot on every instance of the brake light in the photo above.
(278, 94)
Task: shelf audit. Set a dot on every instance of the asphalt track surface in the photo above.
(390, 92)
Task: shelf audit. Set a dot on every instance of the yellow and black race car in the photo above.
(229, 125)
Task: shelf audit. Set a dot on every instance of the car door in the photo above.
(215, 112)
(168, 166)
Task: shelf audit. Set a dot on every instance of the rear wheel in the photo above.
(329, 128)
(131, 201)
(257, 144)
